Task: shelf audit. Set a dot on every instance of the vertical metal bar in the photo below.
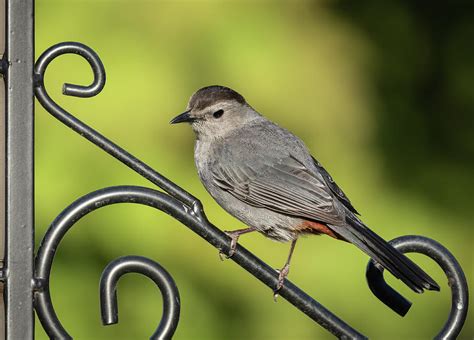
(19, 170)
(2, 162)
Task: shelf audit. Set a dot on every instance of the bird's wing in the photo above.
(335, 188)
(284, 185)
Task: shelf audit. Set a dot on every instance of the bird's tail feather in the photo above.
(385, 254)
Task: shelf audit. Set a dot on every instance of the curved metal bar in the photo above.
(85, 52)
(171, 206)
(89, 133)
(138, 264)
(456, 280)
(383, 291)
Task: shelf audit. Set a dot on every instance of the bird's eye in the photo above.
(218, 114)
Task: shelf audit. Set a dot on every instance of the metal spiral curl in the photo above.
(64, 222)
(456, 281)
(177, 202)
(117, 268)
(86, 131)
(142, 265)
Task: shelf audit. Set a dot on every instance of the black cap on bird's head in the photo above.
(215, 110)
(207, 97)
(210, 95)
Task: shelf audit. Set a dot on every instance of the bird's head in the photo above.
(214, 111)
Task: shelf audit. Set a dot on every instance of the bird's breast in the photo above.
(201, 157)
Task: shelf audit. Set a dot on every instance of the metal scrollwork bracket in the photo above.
(189, 211)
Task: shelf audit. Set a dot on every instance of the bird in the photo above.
(266, 177)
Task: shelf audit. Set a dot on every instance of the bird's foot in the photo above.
(283, 273)
(234, 236)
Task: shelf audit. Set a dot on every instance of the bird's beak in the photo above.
(184, 117)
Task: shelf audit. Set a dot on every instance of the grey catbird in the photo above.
(265, 176)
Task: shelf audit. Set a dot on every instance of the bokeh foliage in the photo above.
(381, 92)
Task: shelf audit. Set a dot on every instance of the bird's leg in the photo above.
(283, 273)
(234, 236)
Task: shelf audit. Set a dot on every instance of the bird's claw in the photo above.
(275, 295)
(282, 274)
(233, 245)
(222, 256)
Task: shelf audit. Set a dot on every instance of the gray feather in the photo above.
(282, 187)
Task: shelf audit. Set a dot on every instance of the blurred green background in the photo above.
(381, 92)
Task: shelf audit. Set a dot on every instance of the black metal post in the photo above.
(19, 238)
